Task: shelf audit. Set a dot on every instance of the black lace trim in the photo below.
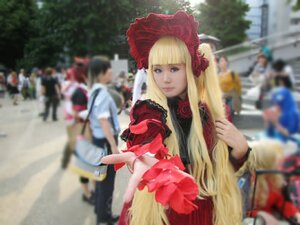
(154, 106)
(203, 113)
(125, 135)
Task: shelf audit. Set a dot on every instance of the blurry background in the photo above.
(34, 35)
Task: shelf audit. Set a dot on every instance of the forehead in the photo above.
(168, 51)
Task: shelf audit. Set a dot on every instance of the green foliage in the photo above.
(62, 29)
(69, 28)
(224, 19)
(16, 19)
(296, 6)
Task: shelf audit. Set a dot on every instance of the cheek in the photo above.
(182, 82)
(158, 80)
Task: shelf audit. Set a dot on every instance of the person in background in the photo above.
(74, 91)
(261, 76)
(2, 95)
(51, 92)
(283, 74)
(282, 118)
(105, 128)
(38, 86)
(24, 84)
(139, 86)
(230, 85)
(2, 86)
(32, 84)
(269, 196)
(14, 83)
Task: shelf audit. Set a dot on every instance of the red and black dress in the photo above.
(146, 129)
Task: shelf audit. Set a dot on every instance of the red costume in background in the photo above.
(277, 202)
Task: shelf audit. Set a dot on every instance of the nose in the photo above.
(167, 78)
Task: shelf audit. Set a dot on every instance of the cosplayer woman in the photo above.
(177, 140)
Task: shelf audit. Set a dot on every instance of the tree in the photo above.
(84, 28)
(16, 19)
(224, 19)
(143, 7)
(296, 5)
(68, 28)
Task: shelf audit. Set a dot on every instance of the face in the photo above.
(171, 79)
(107, 77)
(223, 63)
(262, 60)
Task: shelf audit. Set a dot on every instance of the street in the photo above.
(34, 190)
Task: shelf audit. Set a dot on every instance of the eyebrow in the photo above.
(175, 64)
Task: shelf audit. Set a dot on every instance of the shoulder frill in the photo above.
(147, 122)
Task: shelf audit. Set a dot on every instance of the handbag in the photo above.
(87, 162)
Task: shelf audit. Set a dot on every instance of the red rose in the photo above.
(184, 109)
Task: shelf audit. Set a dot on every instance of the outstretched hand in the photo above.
(228, 133)
(139, 165)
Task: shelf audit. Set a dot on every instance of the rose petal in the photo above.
(163, 195)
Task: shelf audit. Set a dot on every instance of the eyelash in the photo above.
(156, 70)
(173, 69)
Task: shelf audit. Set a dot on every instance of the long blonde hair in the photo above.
(214, 176)
(265, 155)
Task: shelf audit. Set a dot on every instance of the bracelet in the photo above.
(131, 167)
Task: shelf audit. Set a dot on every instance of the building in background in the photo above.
(270, 17)
(254, 15)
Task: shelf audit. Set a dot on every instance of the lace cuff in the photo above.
(237, 163)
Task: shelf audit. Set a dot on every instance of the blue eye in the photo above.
(174, 69)
(156, 70)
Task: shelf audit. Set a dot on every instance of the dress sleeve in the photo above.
(238, 163)
(147, 125)
(167, 179)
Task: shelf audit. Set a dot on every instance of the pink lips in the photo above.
(168, 89)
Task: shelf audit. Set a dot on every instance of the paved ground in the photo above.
(34, 190)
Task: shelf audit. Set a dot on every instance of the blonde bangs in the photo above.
(168, 50)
